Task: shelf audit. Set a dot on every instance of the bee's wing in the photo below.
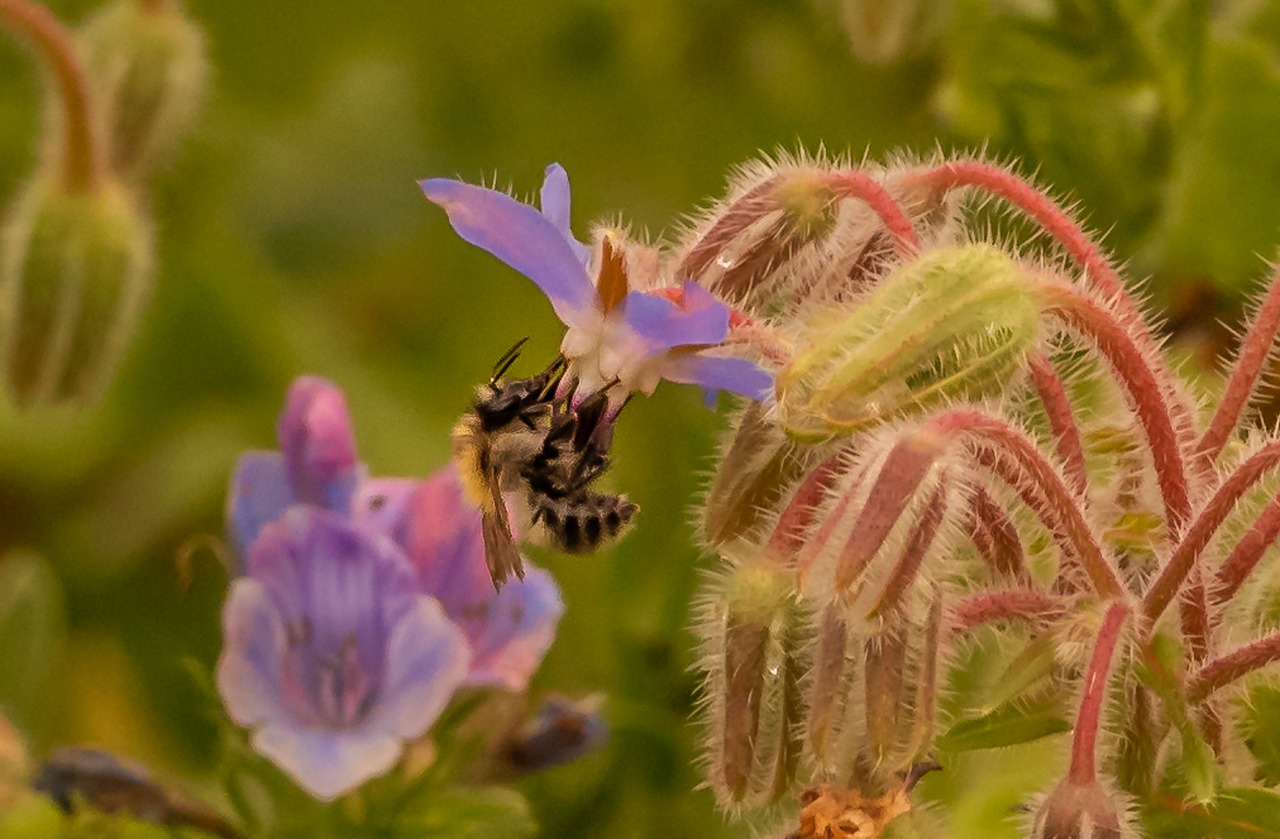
(500, 550)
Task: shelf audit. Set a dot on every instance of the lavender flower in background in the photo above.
(510, 629)
(316, 463)
(331, 654)
(365, 605)
(616, 333)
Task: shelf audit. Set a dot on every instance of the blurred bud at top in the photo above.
(888, 31)
(954, 323)
(562, 731)
(148, 70)
(1079, 811)
(75, 270)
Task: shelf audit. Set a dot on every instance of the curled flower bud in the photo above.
(74, 273)
(953, 323)
(752, 643)
(562, 731)
(757, 462)
(148, 68)
(1074, 811)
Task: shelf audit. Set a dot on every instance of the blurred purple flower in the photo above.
(636, 337)
(440, 531)
(365, 602)
(316, 463)
(331, 654)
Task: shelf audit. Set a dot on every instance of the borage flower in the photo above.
(365, 603)
(616, 333)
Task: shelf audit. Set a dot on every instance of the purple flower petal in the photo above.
(427, 660)
(249, 677)
(344, 584)
(260, 493)
(521, 237)
(714, 372)
(555, 206)
(510, 631)
(326, 762)
(662, 324)
(318, 445)
(381, 505)
(517, 630)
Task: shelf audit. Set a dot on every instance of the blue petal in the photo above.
(260, 493)
(521, 237)
(663, 324)
(736, 375)
(555, 206)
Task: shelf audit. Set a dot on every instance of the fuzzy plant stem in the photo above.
(1042, 209)
(1245, 374)
(1176, 571)
(856, 183)
(1221, 672)
(82, 167)
(1247, 553)
(1061, 508)
(1084, 743)
(1139, 379)
(1062, 420)
(1024, 605)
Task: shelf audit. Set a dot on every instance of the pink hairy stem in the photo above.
(1061, 509)
(856, 183)
(82, 165)
(1222, 671)
(1098, 271)
(1142, 384)
(1246, 554)
(1004, 467)
(1062, 420)
(996, 538)
(1084, 744)
(1196, 538)
(1251, 358)
(1020, 604)
(1039, 207)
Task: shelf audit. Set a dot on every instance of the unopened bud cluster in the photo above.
(78, 249)
(940, 457)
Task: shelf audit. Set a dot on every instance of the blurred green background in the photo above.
(293, 239)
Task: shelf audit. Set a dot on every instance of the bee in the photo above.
(520, 437)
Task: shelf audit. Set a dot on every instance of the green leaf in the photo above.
(477, 813)
(1028, 669)
(1240, 813)
(32, 629)
(1008, 725)
(1260, 728)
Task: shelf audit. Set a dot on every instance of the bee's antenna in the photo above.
(508, 358)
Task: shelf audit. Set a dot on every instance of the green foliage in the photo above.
(1010, 724)
(32, 630)
(1244, 813)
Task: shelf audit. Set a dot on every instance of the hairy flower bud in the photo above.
(149, 70)
(74, 273)
(757, 462)
(753, 633)
(872, 696)
(770, 215)
(1075, 811)
(953, 323)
